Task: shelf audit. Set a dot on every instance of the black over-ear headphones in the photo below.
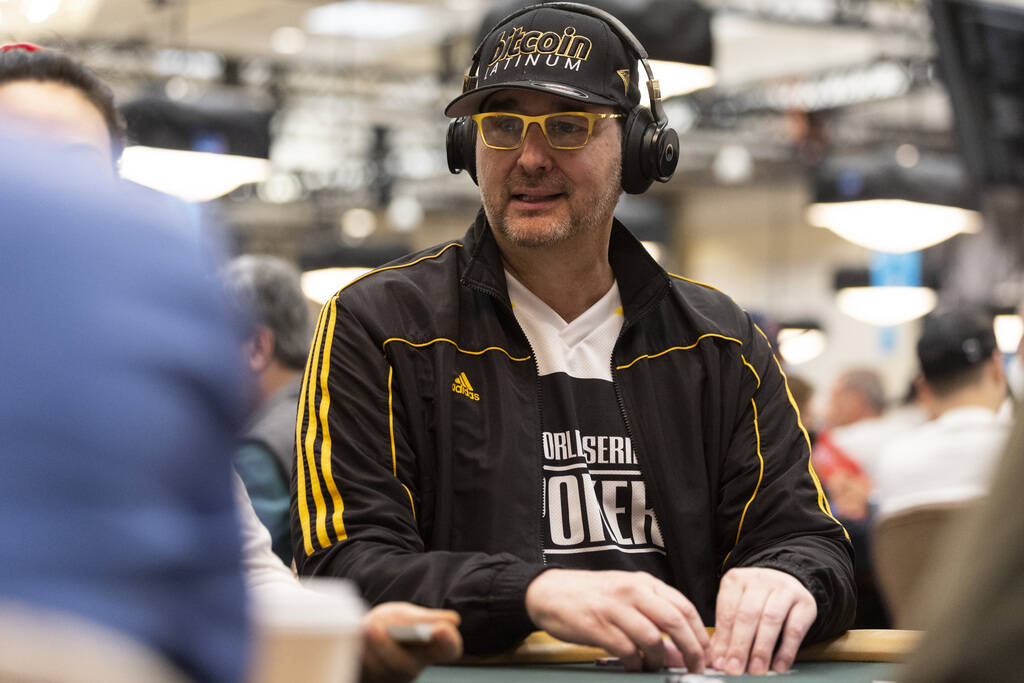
(650, 149)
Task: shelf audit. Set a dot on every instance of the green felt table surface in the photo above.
(827, 672)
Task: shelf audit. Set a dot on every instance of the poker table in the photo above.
(862, 656)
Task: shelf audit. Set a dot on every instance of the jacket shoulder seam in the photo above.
(458, 348)
(403, 265)
(679, 348)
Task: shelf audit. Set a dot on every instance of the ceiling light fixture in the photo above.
(679, 78)
(893, 225)
(321, 284)
(886, 306)
(192, 176)
(372, 20)
(801, 342)
(1008, 329)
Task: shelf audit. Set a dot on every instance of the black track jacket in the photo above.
(420, 488)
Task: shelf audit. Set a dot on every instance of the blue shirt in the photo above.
(118, 406)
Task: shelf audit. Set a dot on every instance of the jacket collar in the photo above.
(642, 282)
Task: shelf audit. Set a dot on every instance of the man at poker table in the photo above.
(538, 427)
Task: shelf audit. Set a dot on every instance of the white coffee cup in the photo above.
(312, 633)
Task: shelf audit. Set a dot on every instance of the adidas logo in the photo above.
(462, 386)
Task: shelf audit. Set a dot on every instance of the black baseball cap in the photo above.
(565, 53)
(955, 340)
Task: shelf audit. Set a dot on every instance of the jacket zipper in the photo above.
(537, 402)
(629, 433)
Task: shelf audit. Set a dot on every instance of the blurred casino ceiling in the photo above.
(353, 91)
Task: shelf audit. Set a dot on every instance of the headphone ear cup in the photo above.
(635, 178)
(664, 151)
(460, 146)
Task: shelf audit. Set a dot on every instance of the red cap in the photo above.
(29, 47)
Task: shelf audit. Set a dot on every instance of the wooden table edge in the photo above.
(859, 645)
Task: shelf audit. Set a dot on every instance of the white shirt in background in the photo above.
(946, 460)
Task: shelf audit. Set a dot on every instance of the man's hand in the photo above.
(623, 612)
(385, 661)
(754, 606)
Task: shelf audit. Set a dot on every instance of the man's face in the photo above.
(536, 195)
(60, 114)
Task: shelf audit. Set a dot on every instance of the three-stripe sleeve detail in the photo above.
(325, 444)
(315, 414)
(300, 457)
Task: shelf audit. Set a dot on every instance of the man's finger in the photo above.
(673, 614)
(729, 594)
(692, 616)
(644, 634)
(797, 624)
(748, 616)
(773, 616)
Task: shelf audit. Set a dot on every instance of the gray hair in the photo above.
(265, 290)
(867, 384)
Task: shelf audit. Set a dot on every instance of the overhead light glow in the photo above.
(1008, 329)
(38, 11)
(358, 224)
(800, 344)
(320, 285)
(678, 78)
(886, 306)
(373, 20)
(288, 40)
(893, 225)
(192, 176)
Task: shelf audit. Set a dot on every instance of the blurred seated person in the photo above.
(846, 451)
(962, 387)
(277, 332)
(926, 477)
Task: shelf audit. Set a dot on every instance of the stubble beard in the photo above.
(588, 218)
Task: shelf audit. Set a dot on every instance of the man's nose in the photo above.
(535, 152)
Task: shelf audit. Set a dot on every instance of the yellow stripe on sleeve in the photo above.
(757, 487)
(325, 443)
(391, 429)
(756, 376)
(320, 521)
(299, 457)
(391, 423)
(822, 498)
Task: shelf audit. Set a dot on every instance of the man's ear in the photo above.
(996, 371)
(925, 395)
(259, 349)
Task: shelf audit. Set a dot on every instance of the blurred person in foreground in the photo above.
(118, 407)
(537, 426)
(55, 107)
(973, 607)
(268, 298)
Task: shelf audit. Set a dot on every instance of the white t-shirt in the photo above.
(948, 459)
(595, 512)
